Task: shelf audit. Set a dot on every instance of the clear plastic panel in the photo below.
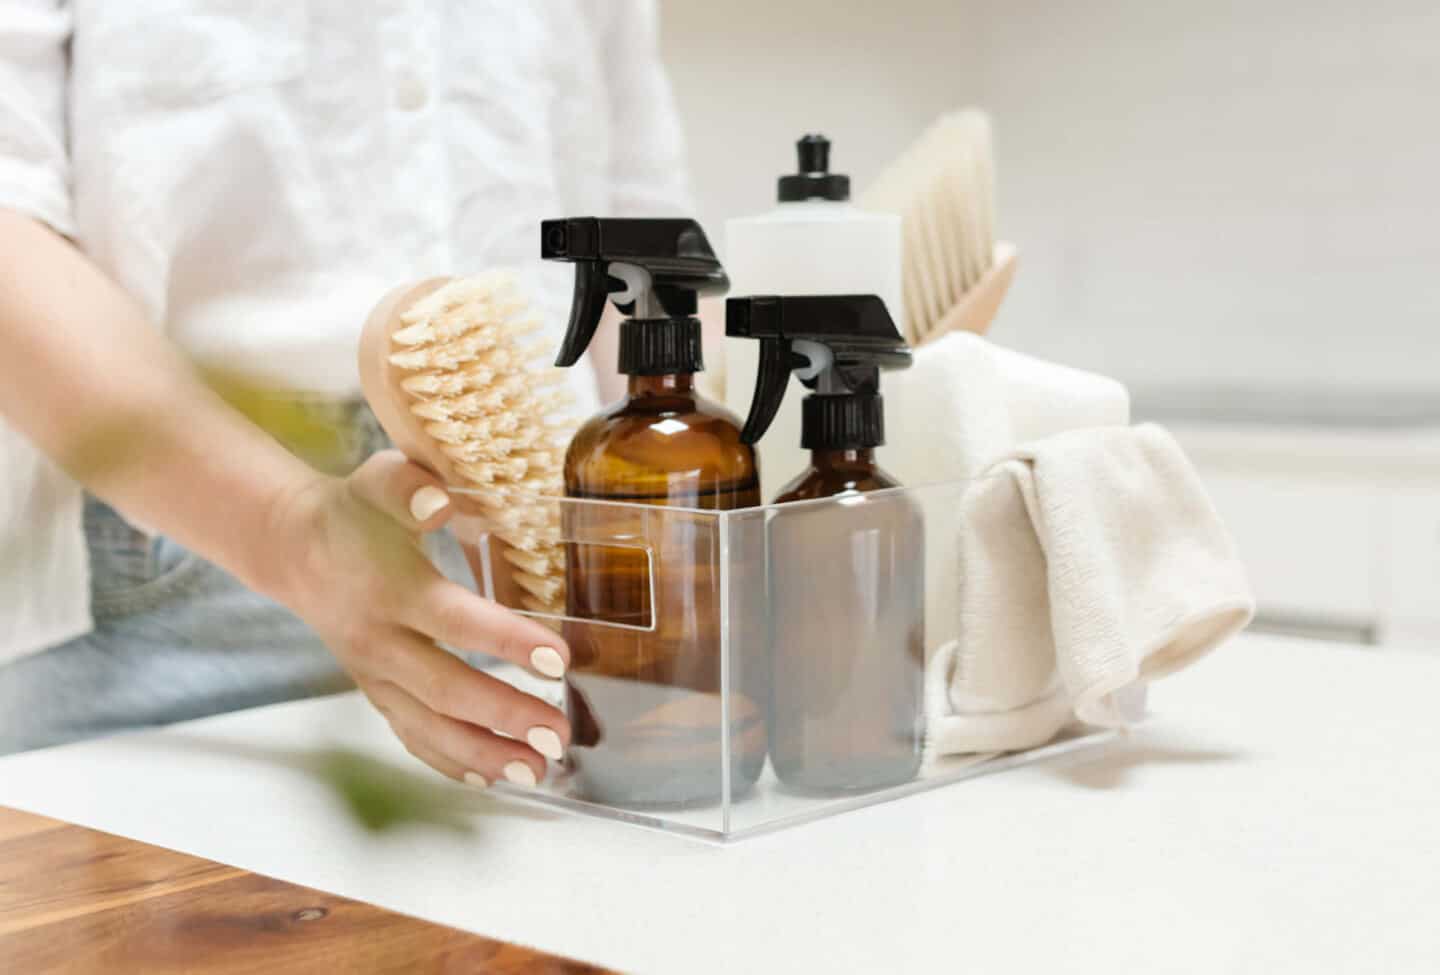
(737, 671)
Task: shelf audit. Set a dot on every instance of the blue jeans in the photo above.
(177, 637)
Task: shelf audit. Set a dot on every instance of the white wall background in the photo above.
(1207, 195)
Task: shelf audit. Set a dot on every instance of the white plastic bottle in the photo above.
(814, 242)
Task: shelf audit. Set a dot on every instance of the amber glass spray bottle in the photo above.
(847, 582)
(643, 587)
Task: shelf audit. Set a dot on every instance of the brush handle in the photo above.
(981, 303)
(380, 381)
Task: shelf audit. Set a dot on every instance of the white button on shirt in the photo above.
(410, 93)
(258, 172)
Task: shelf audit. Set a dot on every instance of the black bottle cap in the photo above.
(849, 422)
(660, 346)
(814, 181)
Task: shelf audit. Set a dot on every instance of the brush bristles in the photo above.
(943, 188)
(490, 405)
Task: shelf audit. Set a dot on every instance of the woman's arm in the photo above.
(104, 393)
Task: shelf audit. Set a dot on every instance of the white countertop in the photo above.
(1280, 813)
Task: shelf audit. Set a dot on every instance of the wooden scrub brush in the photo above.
(943, 187)
(446, 366)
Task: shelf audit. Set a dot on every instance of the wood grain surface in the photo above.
(74, 900)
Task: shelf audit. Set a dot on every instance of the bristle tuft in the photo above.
(943, 188)
(491, 401)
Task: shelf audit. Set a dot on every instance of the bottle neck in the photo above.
(844, 459)
(670, 384)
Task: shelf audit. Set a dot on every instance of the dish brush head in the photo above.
(943, 188)
(452, 372)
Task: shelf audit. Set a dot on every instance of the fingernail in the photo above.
(477, 780)
(519, 773)
(546, 742)
(547, 661)
(426, 501)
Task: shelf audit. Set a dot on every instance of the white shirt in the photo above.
(258, 172)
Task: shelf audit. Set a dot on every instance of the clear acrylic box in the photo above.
(734, 672)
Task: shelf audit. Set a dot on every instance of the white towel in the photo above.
(1092, 562)
(963, 404)
(966, 402)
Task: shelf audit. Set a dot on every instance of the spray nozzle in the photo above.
(835, 344)
(650, 268)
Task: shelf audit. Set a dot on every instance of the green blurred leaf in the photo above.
(382, 796)
(284, 416)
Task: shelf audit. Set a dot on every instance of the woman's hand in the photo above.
(356, 573)
(88, 379)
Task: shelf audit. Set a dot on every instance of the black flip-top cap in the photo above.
(814, 181)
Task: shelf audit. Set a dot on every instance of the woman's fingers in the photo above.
(453, 615)
(451, 716)
(445, 610)
(404, 490)
(455, 748)
(447, 685)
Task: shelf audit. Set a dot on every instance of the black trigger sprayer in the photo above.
(837, 346)
(653, 270)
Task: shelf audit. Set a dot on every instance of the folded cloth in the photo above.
(1092, 562)
(965, 403)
